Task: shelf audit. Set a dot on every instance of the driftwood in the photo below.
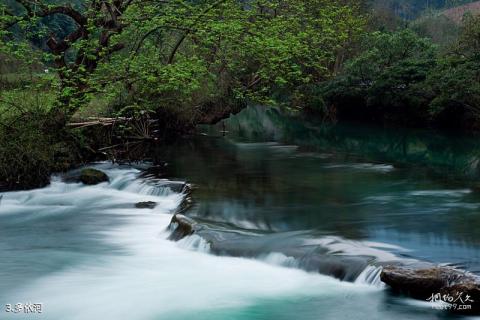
(95, 121)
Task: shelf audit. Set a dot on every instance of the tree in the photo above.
(76, 54)
(201, 57)
(194, 58)
(386, 80)
(456, 80)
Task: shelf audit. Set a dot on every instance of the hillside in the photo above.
(456, 14)
(412, 9)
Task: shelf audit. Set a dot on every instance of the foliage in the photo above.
(30, 147)
(385, 80)
(174, 63)
(189, 58)
(167, 66)
(404, 78)
(456, 80)
(437, 27)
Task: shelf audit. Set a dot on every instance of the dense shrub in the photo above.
(33, 143)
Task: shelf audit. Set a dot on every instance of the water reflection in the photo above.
(273, 173)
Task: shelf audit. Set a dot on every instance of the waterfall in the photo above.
(371, 276)
(195, 243)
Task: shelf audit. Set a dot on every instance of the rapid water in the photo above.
(85, 252)
(286, 214)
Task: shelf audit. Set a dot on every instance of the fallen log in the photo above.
(93, 121)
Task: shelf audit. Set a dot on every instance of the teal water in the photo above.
(271, 184)
(414, 190)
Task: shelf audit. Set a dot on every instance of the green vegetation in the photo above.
(385, 81)
(177, 63)
(155, 69)
(401, 77)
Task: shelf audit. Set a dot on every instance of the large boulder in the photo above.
(92, 176)
(457, 287)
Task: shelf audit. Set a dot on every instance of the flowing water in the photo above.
(295, 222)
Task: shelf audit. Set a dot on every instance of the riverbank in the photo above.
(439, 154)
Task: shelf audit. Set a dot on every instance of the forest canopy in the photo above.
(182, 54)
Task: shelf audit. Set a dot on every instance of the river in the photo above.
(295, 220)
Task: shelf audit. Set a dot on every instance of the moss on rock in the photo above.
(92, 176)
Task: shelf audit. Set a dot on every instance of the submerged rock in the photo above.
(420, 280)
(92, 176)
(225, 239)
(178, 187)
(436, 284)
(146, 205)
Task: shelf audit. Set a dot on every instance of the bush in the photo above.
(31, 144)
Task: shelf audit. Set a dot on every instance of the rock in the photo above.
(146, 205)
(464, 294)
(438, 283)
(415, 283)
(91, 176)
(181, 227)
(224, 240)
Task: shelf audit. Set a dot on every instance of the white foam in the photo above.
(441, 193)
(382, 168)
(195, 243)
(279, 259)
(152, 277)
(371, 276)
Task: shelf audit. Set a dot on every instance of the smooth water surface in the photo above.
(411, 193)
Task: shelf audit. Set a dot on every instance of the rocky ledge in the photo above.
(451, 289)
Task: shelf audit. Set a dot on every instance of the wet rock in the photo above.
(146, 205)
(345, 268)
(91, 176)
(465, 295)
(181, 227)
(438, 283)
(415, 283)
